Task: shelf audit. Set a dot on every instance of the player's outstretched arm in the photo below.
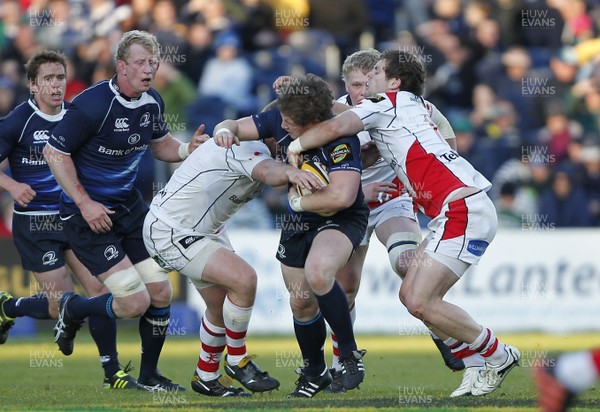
(276, 173)
(172, 150)
(229, 132)
(344, 124)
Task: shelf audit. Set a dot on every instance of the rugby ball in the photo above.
(316, 168)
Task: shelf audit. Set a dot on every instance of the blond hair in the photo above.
(146, 40)
(363, 60)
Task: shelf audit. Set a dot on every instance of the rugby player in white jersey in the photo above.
(392, 215)
(445, 187)
(184, 231)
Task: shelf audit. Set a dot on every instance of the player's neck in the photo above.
(46, 108)
(124, 88)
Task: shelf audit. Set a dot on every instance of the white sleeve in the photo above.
(441, 122)
(242, 159)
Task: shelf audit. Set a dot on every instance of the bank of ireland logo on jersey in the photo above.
(49, 258)
(122, 124)
(110, 252)
(145, 120)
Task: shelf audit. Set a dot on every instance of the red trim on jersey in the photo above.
(430, 179)
(235, 335)
(596, 359)
(457, 215)
(392, 97)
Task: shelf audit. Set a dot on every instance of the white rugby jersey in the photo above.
(381, 171)
(407, 138)
(210, 186)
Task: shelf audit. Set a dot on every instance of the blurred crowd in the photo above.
(516, 78)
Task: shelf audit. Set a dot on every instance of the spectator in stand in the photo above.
(564, 204)
(197, 49)
(590, 157)
(228, 76)
(558, 133)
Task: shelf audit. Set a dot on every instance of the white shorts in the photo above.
(185, 251)
(401, 206)
(463, 229)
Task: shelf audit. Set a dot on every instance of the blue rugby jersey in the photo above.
(23, 135)
(106, 135)
(341, 154)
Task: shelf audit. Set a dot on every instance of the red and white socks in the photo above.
(213, 340)
(236, 321)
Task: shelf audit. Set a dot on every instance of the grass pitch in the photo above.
(403, 373)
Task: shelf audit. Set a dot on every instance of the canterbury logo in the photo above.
(121, 123)
(40, 135)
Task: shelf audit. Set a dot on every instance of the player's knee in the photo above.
(319, 280)
(161, 294)
(415, 306)
(400, 247)
(95, 289)
(302, 306)
(245, 283)
(133, 306)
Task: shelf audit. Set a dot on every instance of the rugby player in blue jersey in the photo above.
(37, 229)
(328, 226)
(94, 154)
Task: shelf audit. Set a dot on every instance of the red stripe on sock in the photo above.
(235, 335)
(596, 359)
(463, 353)
(491, 350)
(485, 341)
(212, 349)
(208, 367)
(233, 351)
(210, 332)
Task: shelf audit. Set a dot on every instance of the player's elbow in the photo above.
(51, 155)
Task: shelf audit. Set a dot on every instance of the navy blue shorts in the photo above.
(294, 245)
(101, 251)
(40, 240)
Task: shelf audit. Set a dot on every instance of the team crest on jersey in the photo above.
(49, 258)
(375, 98)
(341, 152)
(145, 120)
(134, 138)
(111, 252)
(122, 124)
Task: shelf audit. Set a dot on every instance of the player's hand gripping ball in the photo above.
(316, 168)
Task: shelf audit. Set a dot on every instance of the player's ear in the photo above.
(121, 66)
(33, 87)
(395, 83)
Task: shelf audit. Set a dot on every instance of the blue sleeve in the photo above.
(75, 128)
(268, 124)
(9, 137)
(344, 154)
